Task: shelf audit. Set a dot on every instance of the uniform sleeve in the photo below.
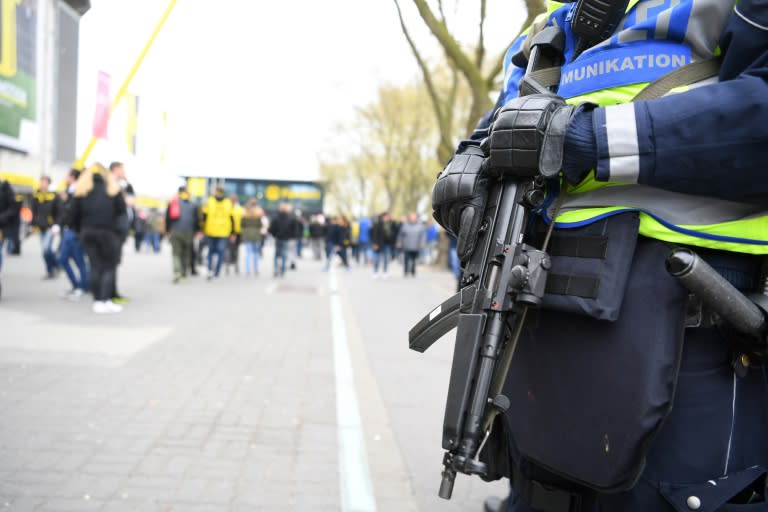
(710, 140)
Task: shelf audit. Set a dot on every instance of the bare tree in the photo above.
(391, 154)
(480, 76)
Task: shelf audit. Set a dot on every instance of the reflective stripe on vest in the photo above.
(673, 217)
(655, 38)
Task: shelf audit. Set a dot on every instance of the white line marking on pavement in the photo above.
(355, 476)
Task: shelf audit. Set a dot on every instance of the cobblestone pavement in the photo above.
(218, 396)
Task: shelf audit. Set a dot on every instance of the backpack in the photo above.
(174, 209)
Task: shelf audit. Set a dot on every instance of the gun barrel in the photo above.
(715, 291)
(446, 484)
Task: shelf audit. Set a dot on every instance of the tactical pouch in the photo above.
(588, 396)
(590, 266)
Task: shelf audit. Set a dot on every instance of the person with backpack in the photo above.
(183, 221)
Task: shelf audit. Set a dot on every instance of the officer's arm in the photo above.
(707, 141)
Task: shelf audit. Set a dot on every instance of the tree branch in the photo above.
(480, 50)
(428, 82)
(450, 46)
(534, 8)
(496, 69)
(440, 10)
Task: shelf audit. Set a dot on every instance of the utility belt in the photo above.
(590, 266)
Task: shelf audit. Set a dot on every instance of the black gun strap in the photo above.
(548, 77)
(685, 75)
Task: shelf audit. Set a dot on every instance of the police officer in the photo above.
(626, 395)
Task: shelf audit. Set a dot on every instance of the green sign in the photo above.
(18, 69)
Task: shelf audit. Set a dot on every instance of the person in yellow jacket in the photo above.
(218, 228)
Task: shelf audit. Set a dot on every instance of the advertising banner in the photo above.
(18, 74)
(101, 116)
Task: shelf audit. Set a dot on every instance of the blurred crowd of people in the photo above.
(84, 226)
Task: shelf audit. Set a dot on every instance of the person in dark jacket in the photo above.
(283, 229)
(383, 237)
(126, 221)
(12, 228)
(317, 229)
(337, 240)
(7, 206)
(182, 219)
(70, 248)
(94, 213)
(45, 211)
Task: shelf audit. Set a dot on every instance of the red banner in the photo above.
(101, 117)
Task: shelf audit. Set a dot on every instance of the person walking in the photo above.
(126, 221)
(411, 238)
(383, 238)
(283, 229)
(154, 230)
(7, 211)
(45, 210)
(364, 240)
(71, 249)
(218, 227)
(339, 234)
(233, 245)
(317, 229)
(183, 221)
(12, 229)
(252, 224)
(95, 213)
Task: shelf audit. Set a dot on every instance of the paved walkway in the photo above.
(230, 395)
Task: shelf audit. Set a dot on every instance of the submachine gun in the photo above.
(503, 277)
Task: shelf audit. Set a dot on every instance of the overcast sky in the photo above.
(254, 87)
